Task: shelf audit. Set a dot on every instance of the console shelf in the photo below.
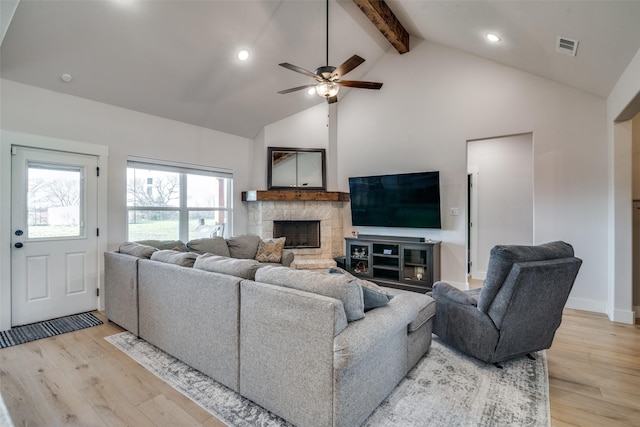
(405, 264)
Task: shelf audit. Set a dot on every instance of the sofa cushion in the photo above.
(212, 245)
(176, 245)
(374, 296)
(244, 247)
(245, 268)
(270, 250)
(336, 286)
(185, 259)
(137, 249)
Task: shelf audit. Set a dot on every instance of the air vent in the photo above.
(566, 46)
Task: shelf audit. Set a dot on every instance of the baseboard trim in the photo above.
(480, 275)
(636, 309)
(624, 316)
(587, 305)
(619, 316)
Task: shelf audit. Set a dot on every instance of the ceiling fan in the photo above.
(329, 78)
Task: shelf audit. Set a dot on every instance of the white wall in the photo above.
(503, 189)
(434, 99)
(619, 144)
(307, 129)
(31, 110)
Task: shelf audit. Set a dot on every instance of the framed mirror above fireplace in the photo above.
(296, 169)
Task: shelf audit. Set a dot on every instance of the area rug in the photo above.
(49, 328)
(445, 388)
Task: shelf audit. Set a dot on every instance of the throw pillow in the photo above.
(270, 250)
(137, 249)
(245, 268)
(330, 285)
(213, 245)
(243, 246)
(374, 296)
(185, 259)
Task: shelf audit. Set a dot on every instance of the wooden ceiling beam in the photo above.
(383, 18)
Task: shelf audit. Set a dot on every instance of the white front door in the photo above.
(54, 254)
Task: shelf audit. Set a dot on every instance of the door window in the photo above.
(54, 201)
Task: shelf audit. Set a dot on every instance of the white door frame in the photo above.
(9, 138)
(472, 237)
(473, 218)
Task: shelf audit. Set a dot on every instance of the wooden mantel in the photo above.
(294, 195)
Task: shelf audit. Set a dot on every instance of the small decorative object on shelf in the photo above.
(360, 267)
(359, 253)
(419, 272)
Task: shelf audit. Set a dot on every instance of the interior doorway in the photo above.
(500, 197)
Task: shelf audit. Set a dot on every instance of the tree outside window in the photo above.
(165, 204)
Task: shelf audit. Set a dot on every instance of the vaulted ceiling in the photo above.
(177, 58)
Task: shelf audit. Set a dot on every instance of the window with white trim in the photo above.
(168, 201)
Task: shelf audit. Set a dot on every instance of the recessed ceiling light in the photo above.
(243, 55)
(66, 77)
(493, 37)
(311, 91)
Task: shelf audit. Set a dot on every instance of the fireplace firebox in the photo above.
(299, 234)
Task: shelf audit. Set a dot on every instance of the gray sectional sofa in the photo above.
(300, 343)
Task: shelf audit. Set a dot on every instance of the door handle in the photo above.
(18, 245)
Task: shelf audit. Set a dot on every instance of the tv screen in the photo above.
(409, 200)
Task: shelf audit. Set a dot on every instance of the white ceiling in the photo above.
(176, 59)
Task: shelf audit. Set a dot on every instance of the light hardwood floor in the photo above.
(80, 379)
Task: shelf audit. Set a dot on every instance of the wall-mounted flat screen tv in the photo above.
(409, 200)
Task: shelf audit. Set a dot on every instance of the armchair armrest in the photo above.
(287, 257)
(460, 323)
(443, 290)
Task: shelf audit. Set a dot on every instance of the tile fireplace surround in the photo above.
(265, 207)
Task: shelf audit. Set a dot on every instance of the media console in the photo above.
(399, 262)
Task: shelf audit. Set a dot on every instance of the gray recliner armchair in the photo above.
(519, 307)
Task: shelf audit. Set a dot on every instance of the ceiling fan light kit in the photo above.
(328, 78)
(327, 89)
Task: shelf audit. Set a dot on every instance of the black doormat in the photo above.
(49, 328)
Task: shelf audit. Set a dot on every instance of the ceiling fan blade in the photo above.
(332, 99)
(293, 89)
(346, 66)
(298, 69)
(359, 84)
